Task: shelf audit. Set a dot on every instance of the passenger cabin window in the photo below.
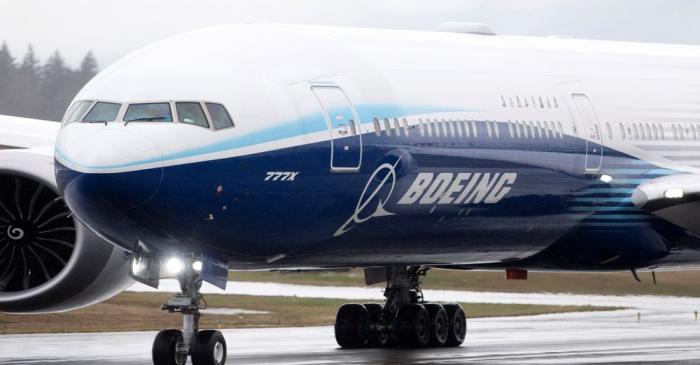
(152, 112)
(443, 126)
(353, 128)
(661, 132)
(191, 113)
(511, 133)
(220, 118)
(622, 130)
(76, 112)
(102, 112)
(387, 127)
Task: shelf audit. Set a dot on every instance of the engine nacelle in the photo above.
(49, 261)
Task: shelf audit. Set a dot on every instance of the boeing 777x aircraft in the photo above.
(260, 147)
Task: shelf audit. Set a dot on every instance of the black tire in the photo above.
(412, 326)
(209, 348)
(377, 338)
(165, 348)
(458, 325)
(352, 326)
(439, 324)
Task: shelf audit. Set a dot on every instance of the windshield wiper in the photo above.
(145, 119)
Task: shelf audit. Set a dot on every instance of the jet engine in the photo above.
(49, 261)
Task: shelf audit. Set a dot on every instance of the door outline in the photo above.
(332, 129)
(592, 132)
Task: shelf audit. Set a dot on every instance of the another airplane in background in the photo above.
(260, 147)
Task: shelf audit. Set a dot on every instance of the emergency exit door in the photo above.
(591, 131)
(343, 124)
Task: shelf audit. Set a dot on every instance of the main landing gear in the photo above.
(404, 320)
(171, 346)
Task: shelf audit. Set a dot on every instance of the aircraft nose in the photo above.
(110, 170)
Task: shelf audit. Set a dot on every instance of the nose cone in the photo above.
(106, 176)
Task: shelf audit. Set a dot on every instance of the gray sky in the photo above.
(113, 28)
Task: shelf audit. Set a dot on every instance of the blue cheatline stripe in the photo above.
(628, 181)
(615, 224)
(640, 171)
(310, 123)
(642, 162)
(602, 209)
(602, 200)
(607, 191)
(623, 217)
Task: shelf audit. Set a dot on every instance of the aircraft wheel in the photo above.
(165, 348)
(209, 348)
(457, 320)
(352, 326)
(412, 326)
(377, 338)
(439, 324)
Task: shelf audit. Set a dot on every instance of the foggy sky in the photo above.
(113, 28)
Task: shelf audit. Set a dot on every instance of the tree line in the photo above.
(31, 89)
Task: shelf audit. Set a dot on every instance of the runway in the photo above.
(666, 332)
(549, 339)
(649, 329)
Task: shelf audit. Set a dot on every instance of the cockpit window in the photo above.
(219, 116)
(152, 112)
(191, 113)
(102, 112)
(77, 111)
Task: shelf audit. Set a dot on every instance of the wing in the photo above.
(673, 198)
(18, 133)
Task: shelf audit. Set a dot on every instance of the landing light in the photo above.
(137, 265)
(197, 266)
(174, 265)
(606, 178)
(674, 193)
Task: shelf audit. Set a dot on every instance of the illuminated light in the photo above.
(174, 265)
(674, 193)
(137, 265)
(606, 178)
(197, 266)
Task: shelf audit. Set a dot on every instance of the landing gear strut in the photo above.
(173, 347)
(405, 319)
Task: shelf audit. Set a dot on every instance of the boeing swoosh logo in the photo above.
(367, 197)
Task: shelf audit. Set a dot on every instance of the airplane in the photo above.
(278, 147)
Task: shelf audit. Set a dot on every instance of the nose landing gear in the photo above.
(172, 346)
(404, 320)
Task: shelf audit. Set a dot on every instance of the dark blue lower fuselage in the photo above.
(556, 215)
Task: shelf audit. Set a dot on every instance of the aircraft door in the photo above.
(344, 126)
(591, 131)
